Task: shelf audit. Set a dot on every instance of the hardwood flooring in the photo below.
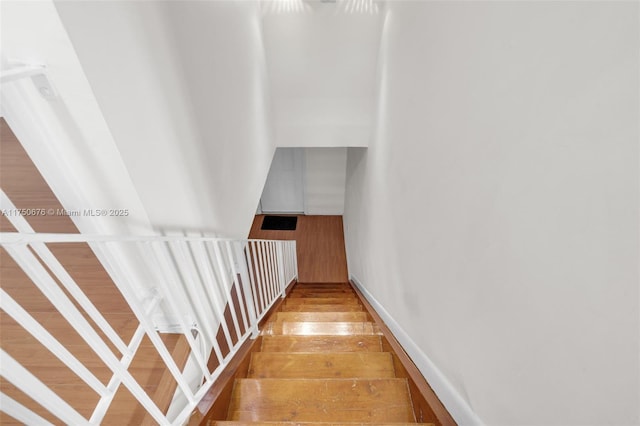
(25, 186)
(320, 247)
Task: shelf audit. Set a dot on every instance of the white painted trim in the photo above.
(22, 71)
(452, 400)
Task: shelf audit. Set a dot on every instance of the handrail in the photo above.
(191, 282)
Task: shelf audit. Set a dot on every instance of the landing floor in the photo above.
(320, 247)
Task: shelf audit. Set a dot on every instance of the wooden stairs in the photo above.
(323, 358)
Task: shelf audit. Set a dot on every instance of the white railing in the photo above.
(195, 286)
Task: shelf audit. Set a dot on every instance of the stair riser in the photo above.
(322, 295)
(321, 329)
(344, 284)
(322, 301)
(324, 289)
(321, 308)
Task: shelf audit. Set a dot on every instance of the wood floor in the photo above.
(320, 366)
(25, 186)
(320, 247)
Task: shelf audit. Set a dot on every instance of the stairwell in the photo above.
(322, 359)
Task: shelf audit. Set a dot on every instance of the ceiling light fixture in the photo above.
(284, 6)
(358, 6)
(362, 7)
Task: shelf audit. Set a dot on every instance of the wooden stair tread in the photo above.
(321, 344)
(351, 300)
(322, 361)
(370, 365)
(342, 284)
(323, 289)
(343, 400)
(320, 294)
(308, 307)
(321, 316)
(321, 328)
(318, 288)
(327, 285)
(234, 423)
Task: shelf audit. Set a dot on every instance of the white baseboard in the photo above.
(452, 400)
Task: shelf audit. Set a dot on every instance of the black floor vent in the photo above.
(279, 223)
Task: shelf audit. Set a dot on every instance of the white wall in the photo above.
(182, 86)
(325, 179)
(306, 179)
(323, 122)
(67, 138)
(495, 214)
(284, 189)
(321, 73)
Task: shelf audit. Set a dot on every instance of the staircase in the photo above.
(85, 341)
(321, 360)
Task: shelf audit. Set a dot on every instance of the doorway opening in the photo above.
(307, 181)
